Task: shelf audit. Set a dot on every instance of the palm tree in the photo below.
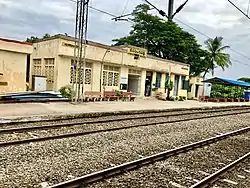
(217, 56)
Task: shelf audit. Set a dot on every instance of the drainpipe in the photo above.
(101, 75)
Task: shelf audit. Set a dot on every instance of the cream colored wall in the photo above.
(120, 57)
(46, 49)
(63, 71)
(13, 67)
(43, 50)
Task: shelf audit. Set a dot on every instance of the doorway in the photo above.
(176, 85)
(148, 84)
(196, 90)
(134, 84)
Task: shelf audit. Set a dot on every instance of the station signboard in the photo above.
(136, 51)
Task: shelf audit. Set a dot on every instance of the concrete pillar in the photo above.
(143, 82)
(153, 79)
(172, 78)
(123, 76)
(96, 75)
(180, 83)
(62, 72)
(163, 80)
(193, 91)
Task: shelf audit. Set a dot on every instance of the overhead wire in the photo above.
(233, 4)
(235, 51)
(96, 9)
(196, 30)
(125, 7)
(239, 53)
(248, 7)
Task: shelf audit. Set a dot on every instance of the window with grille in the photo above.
(105, 76)
(37, 67)
(87, 75)
(111, 75)
(50, 69)
(158, 80)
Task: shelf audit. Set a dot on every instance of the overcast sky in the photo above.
(23, 18)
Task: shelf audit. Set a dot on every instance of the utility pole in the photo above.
(81, 24)
(170, 9)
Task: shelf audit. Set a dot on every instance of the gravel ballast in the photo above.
(118, 116)
(59, 160)
(185, 169)
(240, 175)
(30, 134)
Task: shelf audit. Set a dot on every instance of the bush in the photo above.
(67, 92)
(118, 93)
(154, 89)
(172, 98)
(181, 98)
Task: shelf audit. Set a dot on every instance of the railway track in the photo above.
(216, 176)
(23, 135)
(129, 166)
(119, 115)
(5, 128)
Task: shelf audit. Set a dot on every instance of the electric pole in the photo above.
(81, 24)
(170, 9)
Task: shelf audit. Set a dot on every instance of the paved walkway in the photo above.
(28, 110)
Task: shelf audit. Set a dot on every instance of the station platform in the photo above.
(40, 110)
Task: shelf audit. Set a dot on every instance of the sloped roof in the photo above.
(227, 82)
(16, 41)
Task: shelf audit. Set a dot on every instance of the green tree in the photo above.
(46, 35)
(169, 85)
(67, 91)
(218, 58)
(164, 39)
(34, 39)
(244, 79)
(221, 91)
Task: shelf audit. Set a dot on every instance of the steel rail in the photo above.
(109, 172)
(206, 182)
(123, 113)
(69, 135)
(57, 126)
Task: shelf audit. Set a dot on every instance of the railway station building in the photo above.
(196, 87)
(14, 65)
(108, 68)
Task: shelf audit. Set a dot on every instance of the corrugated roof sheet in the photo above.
(229, 82)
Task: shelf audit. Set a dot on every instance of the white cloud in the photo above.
(23, 18)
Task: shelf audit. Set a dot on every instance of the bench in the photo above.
(242, 100)
(110, 95)
(93, 96)
(128, 95)
(203, 98)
